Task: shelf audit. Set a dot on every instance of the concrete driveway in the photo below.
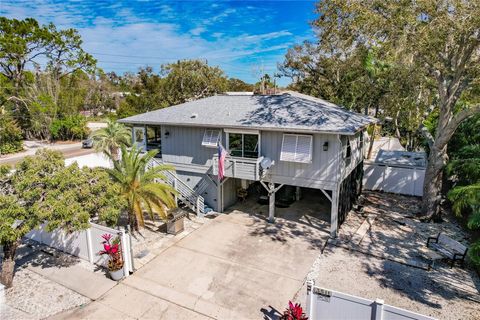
(237, 266)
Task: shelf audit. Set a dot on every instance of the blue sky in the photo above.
(238, 36)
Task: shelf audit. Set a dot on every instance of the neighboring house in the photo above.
(286, 139)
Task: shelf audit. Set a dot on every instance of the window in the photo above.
(210, 138)
(154, 139)
(139, 135)
(347, 149)
(296, 148)
(243, 145)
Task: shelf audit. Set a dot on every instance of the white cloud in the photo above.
(120, 41)
(197, 31)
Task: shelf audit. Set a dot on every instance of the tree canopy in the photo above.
(43, 191)
(417, 62)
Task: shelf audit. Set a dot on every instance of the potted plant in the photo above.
(294, 312)
(111, 247)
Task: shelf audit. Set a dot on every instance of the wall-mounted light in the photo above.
(325, 146)
(167, 134)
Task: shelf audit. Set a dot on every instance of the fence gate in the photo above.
(324, 304)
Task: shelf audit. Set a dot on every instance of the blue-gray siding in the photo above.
(321, 172)
(183, 148)
(202, 185)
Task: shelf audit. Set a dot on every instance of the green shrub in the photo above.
(69, 128)
(4, 170)
(10, 135)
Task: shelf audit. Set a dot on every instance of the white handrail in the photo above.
(239, 160)
(186, 194)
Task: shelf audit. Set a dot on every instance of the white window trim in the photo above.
(296, 136)
(243, 131)
(348, 143)
(208, 142)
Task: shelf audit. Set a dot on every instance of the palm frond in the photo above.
(465, 196)
(141, 185)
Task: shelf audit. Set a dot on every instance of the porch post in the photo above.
(298, 192)
(145, 138)
(271, 205)
(334, 213)
(219, 197)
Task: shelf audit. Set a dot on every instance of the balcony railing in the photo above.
(241, 168)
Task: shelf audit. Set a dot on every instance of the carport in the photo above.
(308, 206)
(335, 202)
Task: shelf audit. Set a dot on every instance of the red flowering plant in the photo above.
(294, 312)
(111, 247)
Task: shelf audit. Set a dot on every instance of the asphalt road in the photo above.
(68, 152)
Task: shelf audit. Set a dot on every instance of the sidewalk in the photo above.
(48, 283)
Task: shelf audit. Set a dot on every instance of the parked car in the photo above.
(88, 143)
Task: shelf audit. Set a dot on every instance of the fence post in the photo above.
(379, 309)
(2, 298)
(310, 300)
(129, 237)
(125, 252)
(89, 244)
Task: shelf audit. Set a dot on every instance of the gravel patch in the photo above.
(380, 263)
(35, 297)
(443, 293)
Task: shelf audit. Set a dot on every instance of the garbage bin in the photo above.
(175, 221)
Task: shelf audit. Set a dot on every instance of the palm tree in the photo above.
(140, 185)
(110, 139)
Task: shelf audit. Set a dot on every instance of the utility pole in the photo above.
(262, 70)
(275, 76)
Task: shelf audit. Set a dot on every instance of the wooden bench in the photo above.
(448, 247)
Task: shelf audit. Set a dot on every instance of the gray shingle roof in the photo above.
(289, 111)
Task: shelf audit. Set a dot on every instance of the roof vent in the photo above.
(194, 115)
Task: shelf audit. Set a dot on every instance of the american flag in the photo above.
(222, 153)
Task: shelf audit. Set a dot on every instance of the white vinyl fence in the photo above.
(86, 244)
(332, 305)
(393, 178)
(2, 297)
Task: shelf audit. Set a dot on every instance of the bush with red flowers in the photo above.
(294, 312)
(111, 247)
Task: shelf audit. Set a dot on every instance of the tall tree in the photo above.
(26, 43)
(437, 41)
(188, 80)
(237, 85)
(141, 186)
(110, 139)
(42, 190)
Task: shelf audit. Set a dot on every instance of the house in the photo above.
(287, 139)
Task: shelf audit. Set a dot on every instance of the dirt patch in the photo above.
(377, 255)
(435, 293)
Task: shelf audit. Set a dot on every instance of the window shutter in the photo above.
(210, 138)
(303, 152)
(296, 148)
(288, 147)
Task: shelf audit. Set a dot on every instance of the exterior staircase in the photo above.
(186, 195)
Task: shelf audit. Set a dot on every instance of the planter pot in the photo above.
(116, 275)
